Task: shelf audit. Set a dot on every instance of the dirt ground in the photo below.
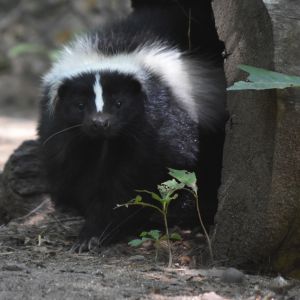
(35, 261)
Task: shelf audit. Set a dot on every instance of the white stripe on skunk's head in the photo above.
(98, 93)
(182, 75)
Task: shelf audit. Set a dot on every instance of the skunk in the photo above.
(120, 106)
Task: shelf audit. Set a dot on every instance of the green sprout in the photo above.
(156, 237)
(167, 192)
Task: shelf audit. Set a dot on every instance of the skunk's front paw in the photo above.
(86, 245)
(90, 239)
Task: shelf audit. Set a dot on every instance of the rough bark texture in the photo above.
(248, 151)
(284, 207)
(259, 197)
(23, 182)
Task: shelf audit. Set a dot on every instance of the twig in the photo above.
(7, 253)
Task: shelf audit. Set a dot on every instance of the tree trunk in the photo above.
(258, 217)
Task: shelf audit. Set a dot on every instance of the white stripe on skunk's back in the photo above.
(185, 78)
(98, 93)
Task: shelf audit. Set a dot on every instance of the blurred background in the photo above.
(31, 33)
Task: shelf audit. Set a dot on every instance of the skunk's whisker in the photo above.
(61, 131)
(104, 231)
(110, 234)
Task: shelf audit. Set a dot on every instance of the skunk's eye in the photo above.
(118, 104)
(80, 106)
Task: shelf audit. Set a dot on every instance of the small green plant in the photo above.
(261, 79)
(167, 192)
(156, 237)
(152, 235)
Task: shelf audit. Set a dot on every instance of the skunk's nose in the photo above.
(99, 123)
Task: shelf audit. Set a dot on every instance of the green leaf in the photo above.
(135, 243)
(261, 79)
(138, 242)
(187, 178)
(144, 233)
(153, 195)
(176, 236)
(169, 187)
(24, 48)
(155, 234)
(138, 199)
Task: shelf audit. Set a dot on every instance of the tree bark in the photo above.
(258, 216)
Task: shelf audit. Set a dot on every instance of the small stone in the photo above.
(212, 296)
(232, 275)
(98, 273)
(280, 285)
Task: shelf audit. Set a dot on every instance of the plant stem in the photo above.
(203, 227)
(195, 194)
(141, 204)
(168, 240)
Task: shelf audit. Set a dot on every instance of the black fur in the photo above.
(186, 23)
(141, 132)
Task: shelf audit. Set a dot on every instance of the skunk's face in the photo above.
(104, 103)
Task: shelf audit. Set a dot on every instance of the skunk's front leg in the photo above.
(103, 224)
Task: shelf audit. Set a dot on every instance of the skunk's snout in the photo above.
(98, 124)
